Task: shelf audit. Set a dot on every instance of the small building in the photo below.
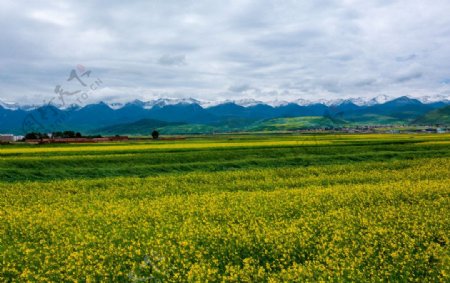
(7, 138)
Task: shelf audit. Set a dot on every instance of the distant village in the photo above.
(73, 137)
(381, 129)
(50, 138)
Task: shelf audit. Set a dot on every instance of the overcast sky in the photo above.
(216, 50)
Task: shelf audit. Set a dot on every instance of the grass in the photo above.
(296, 123)
(228, 208)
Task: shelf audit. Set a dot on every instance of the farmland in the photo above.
(252, 208)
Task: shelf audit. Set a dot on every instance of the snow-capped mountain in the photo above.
(248, 102)
(380, 99)
(192, 111)
(9, 105)
(277, 103)
(431, 99)
(360, 101)
(137, 102)
(161, 102)
(302, 102)
(116, 105)
(17, 106)
(29, 107)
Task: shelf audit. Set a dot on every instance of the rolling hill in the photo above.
(141, 127)
(436, 117)
(144, 127)
(296, 123)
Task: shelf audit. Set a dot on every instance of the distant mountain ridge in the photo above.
(248, 102)
(227, 115)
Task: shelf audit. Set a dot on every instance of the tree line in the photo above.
(57, 135)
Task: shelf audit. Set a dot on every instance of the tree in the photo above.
(155, 134)
(36, 136)
(31, 136)
(68, 134)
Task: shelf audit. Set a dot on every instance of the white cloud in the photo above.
(224, 49)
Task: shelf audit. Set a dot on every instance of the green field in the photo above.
(242, 208)
(231, 125)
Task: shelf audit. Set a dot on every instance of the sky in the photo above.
(224, 50)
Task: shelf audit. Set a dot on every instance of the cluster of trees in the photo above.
(65, 134)
(36, 136)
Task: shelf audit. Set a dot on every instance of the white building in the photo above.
(7, 138)
(18, 138)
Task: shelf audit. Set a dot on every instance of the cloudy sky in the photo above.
(215, 50)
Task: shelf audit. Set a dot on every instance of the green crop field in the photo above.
(234, 208)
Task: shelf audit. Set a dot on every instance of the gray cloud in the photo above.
(206, 49)
(406, 58)
(409, 77)
(365, 82)
(172, 60)
(239, 88)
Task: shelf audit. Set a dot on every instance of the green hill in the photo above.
(141, 127)
(439, 116)
(295, 123)
(375, 119)
(187, 129)
(145, 126)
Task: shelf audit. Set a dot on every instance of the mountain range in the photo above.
(187, 114)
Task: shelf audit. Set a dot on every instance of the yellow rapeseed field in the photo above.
(371, 209)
